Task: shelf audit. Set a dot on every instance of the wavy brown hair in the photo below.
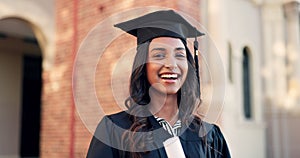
(187, 98)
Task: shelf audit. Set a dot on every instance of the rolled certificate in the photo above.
(174, 148)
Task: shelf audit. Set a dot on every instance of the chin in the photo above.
(173, 91)
(167, 91)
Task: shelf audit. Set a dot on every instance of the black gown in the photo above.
(111, 128)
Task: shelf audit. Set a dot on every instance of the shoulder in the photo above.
(199, 130)
(112, 125)
(118, 115)
(214, 132)
(121, 119)
(216, 141)
(211, 131)
(214, 138)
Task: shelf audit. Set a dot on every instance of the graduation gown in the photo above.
(106, 142)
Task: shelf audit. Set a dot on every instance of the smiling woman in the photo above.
(164, 94)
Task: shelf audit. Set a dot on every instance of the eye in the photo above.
(180, 55)
(159, 55)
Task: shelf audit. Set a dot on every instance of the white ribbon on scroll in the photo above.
(174, 148)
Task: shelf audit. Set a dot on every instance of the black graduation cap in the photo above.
(164, 23)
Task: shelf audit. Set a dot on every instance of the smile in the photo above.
(169, 76)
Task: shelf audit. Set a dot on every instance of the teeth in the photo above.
(169, 76)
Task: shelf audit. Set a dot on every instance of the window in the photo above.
(247, 83)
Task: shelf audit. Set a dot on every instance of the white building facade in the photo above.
(259, 44)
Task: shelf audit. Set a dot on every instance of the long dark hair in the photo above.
(187, 97)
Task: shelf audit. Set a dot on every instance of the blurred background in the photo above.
(258, 42)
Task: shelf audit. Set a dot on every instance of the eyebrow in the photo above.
(159, 49)
(179, 48)
(164, 49)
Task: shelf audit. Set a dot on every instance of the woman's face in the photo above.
(167, 65)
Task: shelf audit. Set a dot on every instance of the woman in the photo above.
(164, 93)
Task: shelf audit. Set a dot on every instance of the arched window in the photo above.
(247, 83)
(20, 99)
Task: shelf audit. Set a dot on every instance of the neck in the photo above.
(164, 106)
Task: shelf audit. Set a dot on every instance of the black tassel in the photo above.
(196, 54)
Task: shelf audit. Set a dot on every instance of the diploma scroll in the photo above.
(174, 148)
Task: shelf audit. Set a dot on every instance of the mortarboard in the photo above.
(164, 23)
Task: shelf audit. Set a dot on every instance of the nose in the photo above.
(170, 62)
